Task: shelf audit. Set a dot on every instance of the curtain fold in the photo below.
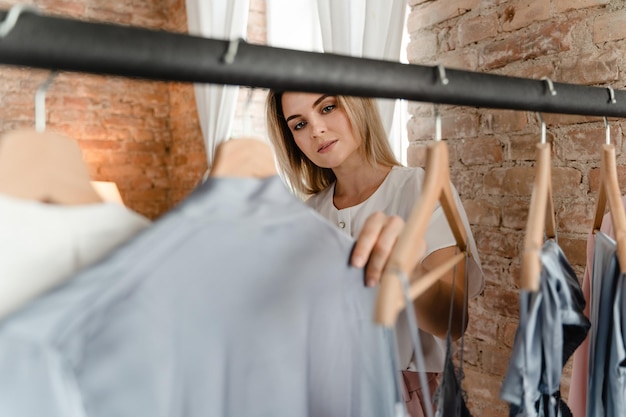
(216, 104)
(368, 29)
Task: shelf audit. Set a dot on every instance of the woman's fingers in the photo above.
(375, 244)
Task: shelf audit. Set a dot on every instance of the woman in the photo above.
(334, 149)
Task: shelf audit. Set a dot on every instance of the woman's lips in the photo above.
(326, 146)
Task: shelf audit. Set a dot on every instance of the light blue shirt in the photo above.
(239, 302)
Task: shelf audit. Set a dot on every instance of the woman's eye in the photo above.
(329, 108)
(298, 126)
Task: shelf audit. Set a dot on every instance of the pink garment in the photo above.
(577, 398)
(413, 396)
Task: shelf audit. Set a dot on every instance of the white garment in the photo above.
(397, 195)
(43, 245)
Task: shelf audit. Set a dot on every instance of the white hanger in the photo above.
(44, 166)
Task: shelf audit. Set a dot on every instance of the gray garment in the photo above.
(551, 326)
(239, 302)
(606, 387)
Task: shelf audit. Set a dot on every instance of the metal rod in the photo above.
(72, 45)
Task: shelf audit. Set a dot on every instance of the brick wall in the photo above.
(187, 159)
(143, 135)
(122, 125)
(492, 151)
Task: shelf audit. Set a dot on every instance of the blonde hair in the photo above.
(303, 175)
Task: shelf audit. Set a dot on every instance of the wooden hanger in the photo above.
(540, 220)
(409, 249)
(46, 167)
(245, 157)
(610, 192)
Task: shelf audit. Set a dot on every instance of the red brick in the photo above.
(435, 12)
(575, 250)
(464, 59)
(96, 157)
(515, 213)
(481, 151)
(475, 29)
(504, 121)
(554, 119)
(566, 182)
(536, 69)
(482, 212)
(507, 335)
(510, 181)
(141, 183)
(521, 13)
(594, 179)
(502, 301)
(459, 125)
(592, 68)
(482, 327)
(576, 216)
(494, 268)
(467, 182)
(609, 27)
(524, 147)
(118, 157)
(99, 144)
(495, 360)
(121, 171)
(483, 393)
(145, 147)
(497, 243)
(92, 131)
(471, 353)
(421, 128)
(561, 6)
(550, 38)
(423, 46)
(63, 7)
(584, 143)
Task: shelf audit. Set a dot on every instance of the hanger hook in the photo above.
(437, 124)
(606, 120)
(40, 102)
(443, 78)
(608, 131)
(611, 95)
(231, 52)
(9, 22)
(441, 70)
(247, 129)
(543, 128)
(550, 85)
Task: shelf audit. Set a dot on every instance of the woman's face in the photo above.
(321, 128)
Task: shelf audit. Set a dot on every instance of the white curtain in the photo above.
(218, 19)
(368, 29)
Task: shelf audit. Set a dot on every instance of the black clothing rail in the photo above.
(65, 44)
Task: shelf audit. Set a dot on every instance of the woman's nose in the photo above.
(319, 127)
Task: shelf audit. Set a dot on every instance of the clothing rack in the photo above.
(65, 44)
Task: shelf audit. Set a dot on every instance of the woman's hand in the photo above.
(375, 244)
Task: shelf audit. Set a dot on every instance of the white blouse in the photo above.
(43, 245)
(397, 195)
